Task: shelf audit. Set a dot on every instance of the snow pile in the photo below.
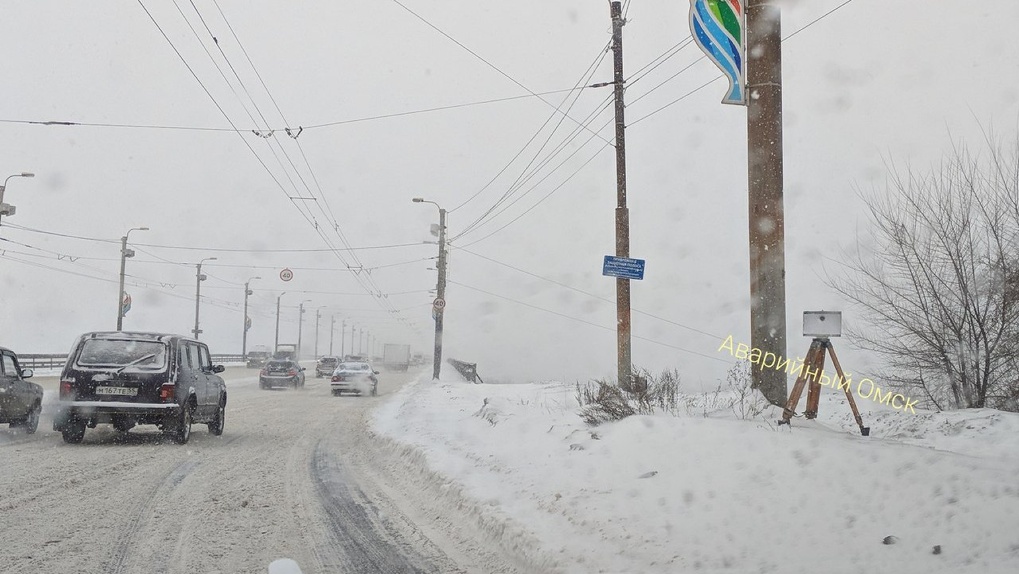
(717, 494)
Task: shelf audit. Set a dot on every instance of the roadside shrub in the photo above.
(602, 401)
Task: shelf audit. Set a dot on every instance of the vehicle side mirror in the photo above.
(218, 368)
(304, 368)
(376, 372)
(27, 373)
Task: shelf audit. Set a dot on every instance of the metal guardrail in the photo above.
(468, 371)
(56, 361)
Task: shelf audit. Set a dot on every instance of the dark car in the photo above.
(128, 379)
(281, 373)
(20, 400)
(257, 359)
(354, 376)
(326, 366)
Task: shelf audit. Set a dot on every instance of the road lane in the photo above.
(289, 478)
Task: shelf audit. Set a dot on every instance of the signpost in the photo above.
(126, 304)
(623, 267)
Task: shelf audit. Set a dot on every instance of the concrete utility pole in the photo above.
(300, 326)
(124, 254)
(767, 219)
(318, 315)
(624, 359)
(332, 332)
(244, 336)
(276, 341)
(343, 338)
(198, 291)
(439, 309)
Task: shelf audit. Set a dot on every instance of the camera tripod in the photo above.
(814, 365)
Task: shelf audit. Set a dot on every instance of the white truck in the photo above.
(396, 357)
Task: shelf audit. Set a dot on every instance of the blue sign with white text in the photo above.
(623, 267)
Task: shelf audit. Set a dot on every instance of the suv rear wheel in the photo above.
(73, 432)
(182, 432)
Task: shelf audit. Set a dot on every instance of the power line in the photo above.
(478, 56)
(592, 295)
(200, 248)
(586, 322)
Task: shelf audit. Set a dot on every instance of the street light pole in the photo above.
(343, 338)
(247, 325)
(124, 254)
(198, 291)
(318, 315)
(276, 341)
(332, 333)
(439, 308)
(9, 209)
(300, 327)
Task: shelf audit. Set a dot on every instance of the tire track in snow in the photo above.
(359, 538)
(142, 512)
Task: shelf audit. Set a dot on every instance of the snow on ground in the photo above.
(696, 493)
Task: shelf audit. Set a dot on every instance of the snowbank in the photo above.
(716, 494)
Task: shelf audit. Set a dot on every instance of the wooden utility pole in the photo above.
(764, 169)
(624, 360)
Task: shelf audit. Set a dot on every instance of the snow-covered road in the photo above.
(296, 475)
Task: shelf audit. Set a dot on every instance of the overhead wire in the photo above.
(586, 322)
(583, 80)
(479, 57)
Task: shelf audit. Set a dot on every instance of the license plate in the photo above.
(120, 391)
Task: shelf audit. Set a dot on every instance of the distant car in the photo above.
(20, 400)
(354, 376)
(326, 366)
(257, 359)
(127, 379)
(281, 373)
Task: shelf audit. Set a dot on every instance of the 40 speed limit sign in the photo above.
(286, 275)
(439, 304)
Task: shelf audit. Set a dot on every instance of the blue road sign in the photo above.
(623, 267)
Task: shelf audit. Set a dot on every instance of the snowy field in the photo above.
(705, 491)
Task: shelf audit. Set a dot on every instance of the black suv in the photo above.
(140, 378)
(20, 400)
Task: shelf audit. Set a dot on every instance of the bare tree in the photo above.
(939, 285)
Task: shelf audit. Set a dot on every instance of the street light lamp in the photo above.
(247, 321)
(276, 342)
(122, 296)
(198, 291)
(439, 306)
(6, 209)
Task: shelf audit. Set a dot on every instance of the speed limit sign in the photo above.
(286, 275)
(439, 303)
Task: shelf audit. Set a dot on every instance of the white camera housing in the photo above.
(822, 324)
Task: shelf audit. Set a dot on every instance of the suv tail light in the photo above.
(67, 389)
(292, 372)
(336, 378)
(166, 392)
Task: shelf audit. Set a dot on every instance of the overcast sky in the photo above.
(875, 81)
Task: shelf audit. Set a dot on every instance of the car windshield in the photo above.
(123, 353)
(354, 367)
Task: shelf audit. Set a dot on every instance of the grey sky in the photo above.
(874, 81)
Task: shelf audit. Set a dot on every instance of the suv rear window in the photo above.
(279, 365)
(121, 353)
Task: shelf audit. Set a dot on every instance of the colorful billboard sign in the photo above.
(718, 27)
